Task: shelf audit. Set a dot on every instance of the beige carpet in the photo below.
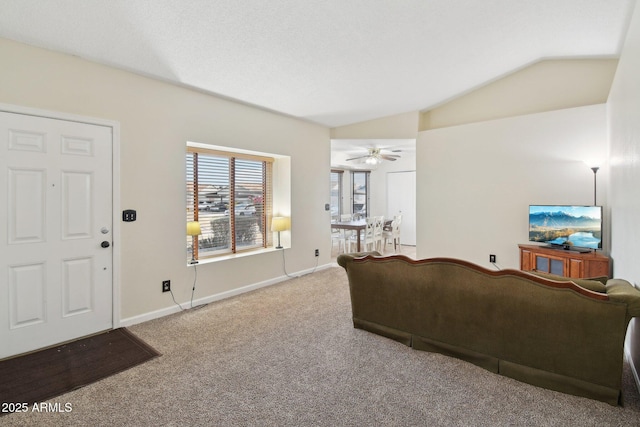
(288, 355)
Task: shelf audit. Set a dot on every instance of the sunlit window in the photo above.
(230, 195)
(336, 194)
(360, 194)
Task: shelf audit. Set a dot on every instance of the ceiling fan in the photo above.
(375, 156)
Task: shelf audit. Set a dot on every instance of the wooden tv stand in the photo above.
(563, 262)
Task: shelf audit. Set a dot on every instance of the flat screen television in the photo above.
(567, 226)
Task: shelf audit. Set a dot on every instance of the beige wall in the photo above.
(400, 126)
(476, 181)
(544, 86)
(156, 119)
(379, 182)
(624, 135)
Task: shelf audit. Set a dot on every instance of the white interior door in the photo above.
(56, 280)
(401, 198)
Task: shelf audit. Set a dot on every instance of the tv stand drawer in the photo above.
(563, 262)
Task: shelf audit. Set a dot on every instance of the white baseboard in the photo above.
(216, 297)
(634, 369)
(629, 344)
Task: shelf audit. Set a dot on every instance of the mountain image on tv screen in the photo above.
(579, 226)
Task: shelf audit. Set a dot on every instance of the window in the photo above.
(230, 195)
(360, 193)
(336, 194)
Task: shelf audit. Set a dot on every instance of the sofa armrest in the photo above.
(344, 259)
(620, 290)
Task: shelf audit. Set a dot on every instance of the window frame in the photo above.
(367, 176)
(193, 179)
(340, 177)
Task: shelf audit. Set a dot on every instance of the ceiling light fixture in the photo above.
(372, 160)
(375, 157)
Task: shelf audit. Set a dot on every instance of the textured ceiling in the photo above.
(333, 62)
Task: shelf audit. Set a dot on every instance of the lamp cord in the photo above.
(177, 303)
(284, 267)
(195, 278)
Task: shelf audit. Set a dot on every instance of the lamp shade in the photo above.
(193, 228)
(280, 223)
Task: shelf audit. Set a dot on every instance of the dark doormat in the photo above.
(42, 375)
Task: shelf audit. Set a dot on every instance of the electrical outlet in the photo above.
(166, 285)
(492, 258)
(317, 252)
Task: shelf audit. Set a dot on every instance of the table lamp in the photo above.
(280, 223)
(193, 230)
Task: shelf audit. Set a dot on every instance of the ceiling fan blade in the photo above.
(393, 158)
(357, 158)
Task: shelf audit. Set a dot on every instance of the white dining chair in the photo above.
(377, 233)
(394, 233)
(366, 236)
(342, 236)
(337, 237)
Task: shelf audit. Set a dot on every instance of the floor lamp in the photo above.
(595, 171)
(280, 223)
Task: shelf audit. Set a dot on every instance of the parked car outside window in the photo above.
(243, 209)
(212, 206)
(204, 205)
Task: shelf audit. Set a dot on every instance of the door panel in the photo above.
(27, 295)
(56, 196)
(77, 206)
(20, 140)
(25, 203)
(77, 286)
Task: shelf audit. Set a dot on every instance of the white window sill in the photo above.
(236, 256)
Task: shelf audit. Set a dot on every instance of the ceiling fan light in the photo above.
(371, 161)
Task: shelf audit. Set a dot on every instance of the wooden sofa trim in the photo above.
(507, 272)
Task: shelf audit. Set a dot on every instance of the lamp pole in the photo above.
(595, 171)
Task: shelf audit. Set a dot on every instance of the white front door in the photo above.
(56, 223)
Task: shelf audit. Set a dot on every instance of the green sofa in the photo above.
(554, 334)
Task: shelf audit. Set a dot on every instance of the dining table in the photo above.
(355, 225)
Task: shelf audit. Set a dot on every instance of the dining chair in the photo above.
(341, 236)
(336, 237)
(393, 233)
(377, 233)
(366, 236)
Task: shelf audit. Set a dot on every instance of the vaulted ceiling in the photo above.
(333, 62)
